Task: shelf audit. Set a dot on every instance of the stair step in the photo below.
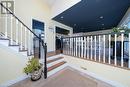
(55, 66)
(13, 45)
(50, 61)
(4, 39)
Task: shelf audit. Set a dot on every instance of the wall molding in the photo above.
(11, 82)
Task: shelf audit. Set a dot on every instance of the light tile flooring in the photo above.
(67, 77)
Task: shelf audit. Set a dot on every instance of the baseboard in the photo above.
(11, 82)
(113, 83)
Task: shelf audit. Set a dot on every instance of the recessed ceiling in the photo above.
(92, 15)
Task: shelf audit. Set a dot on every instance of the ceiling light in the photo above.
(74, 24)
(101, 17)
(102, 24)
(61, 17)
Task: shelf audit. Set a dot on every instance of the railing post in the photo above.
(129, 53)
(45, 59)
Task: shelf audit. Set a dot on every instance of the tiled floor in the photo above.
(67, 77)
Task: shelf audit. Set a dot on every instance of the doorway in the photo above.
(38, 29)
(60, 33)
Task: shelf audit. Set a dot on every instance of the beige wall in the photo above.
(11, 64)
(119, 75)
(52, 33)
(61, 5)
(26, 10)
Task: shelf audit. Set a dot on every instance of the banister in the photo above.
(20, 21)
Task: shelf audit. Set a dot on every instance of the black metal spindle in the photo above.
(45, 60)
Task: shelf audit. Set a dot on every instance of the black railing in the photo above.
(35, 35)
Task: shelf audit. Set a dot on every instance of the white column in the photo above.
(6, 24)
(129, 53)
(11, 30)
(88, 47)
(82, 42)
(25, 42)
(74, 46)
(68, 48)
(115, 59)
(122, 41)
(84, 47)
(99, 48)
(21, 36)
(79, 46)
(95, 48)
(16, 25)
(104, 49)
(91, 48)
(109, 59)
(29, 42)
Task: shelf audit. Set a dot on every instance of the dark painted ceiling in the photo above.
(92, 15)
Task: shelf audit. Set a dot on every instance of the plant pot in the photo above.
(36, 75)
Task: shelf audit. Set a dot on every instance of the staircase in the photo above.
(18, 37)
(55, 64)
(15, 35)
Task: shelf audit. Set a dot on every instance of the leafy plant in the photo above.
(126, 30)
(33, 65)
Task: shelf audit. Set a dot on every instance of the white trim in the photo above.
(113, 83)
(11, 82)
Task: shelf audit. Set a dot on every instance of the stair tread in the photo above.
(50, 61)
(13, 45)
(4, 39)
(55, 66)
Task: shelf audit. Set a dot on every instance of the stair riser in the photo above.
(55, 62)
(53, 57)
(56, 69)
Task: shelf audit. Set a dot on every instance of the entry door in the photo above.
(38, 29)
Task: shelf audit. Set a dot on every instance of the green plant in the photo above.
(126, 30)
(33, 65)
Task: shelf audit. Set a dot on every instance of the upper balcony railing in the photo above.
(112, 49)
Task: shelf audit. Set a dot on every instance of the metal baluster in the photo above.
(122, 41)
(115, 60)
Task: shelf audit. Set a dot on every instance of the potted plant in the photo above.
(34, 69)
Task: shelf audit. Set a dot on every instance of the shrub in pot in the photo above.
(34, 69)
